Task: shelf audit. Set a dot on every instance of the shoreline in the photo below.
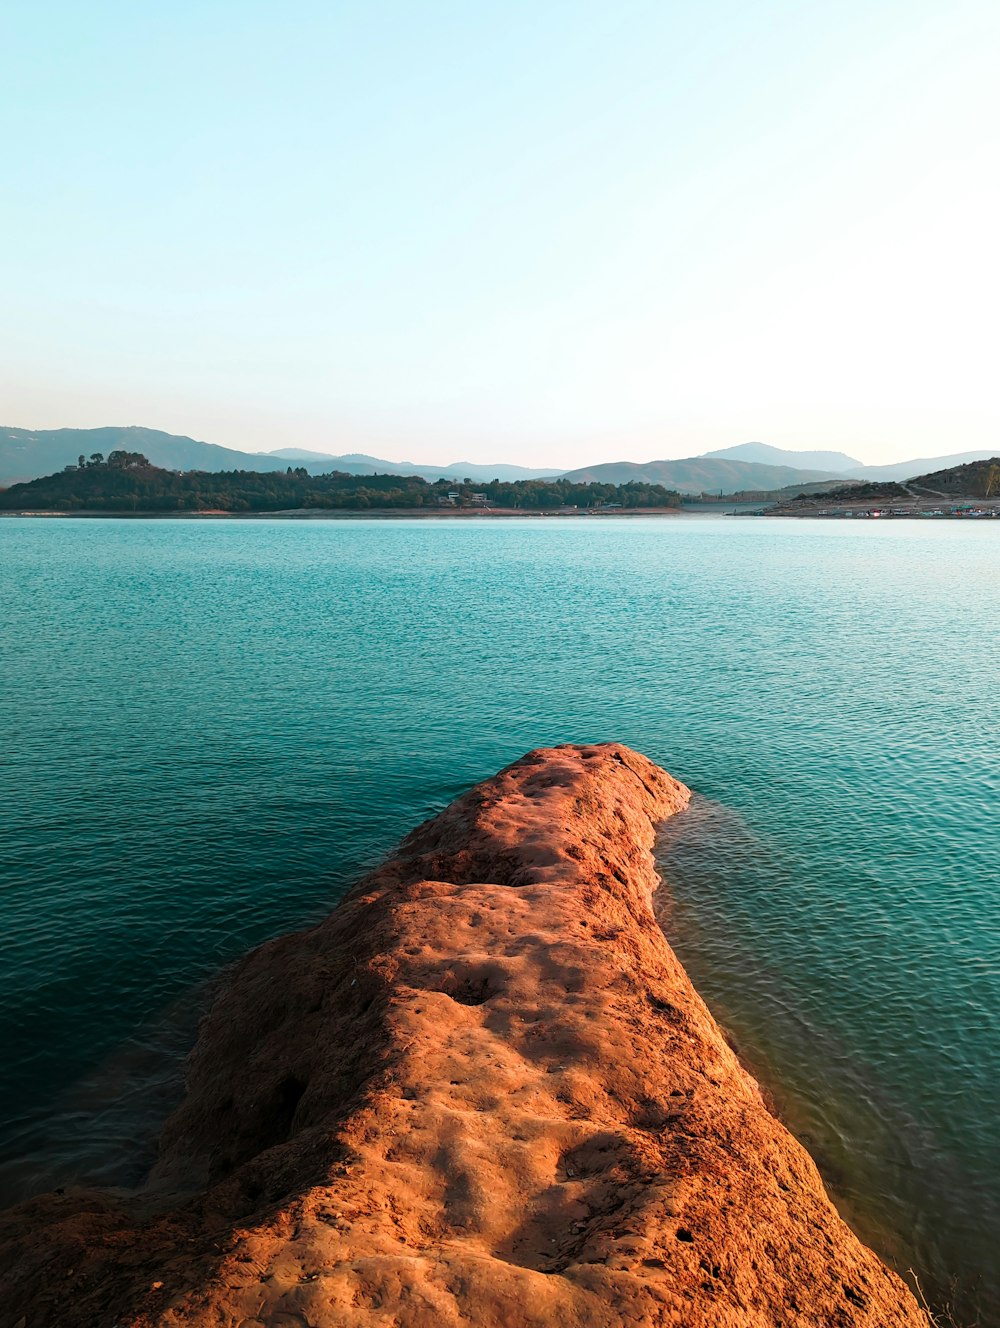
(871, 516)
(330, 514)
(948, 509)
(453, 1099)
(712, 510)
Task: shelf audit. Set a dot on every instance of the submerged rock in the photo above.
(483, 1091)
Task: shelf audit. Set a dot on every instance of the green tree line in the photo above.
(126, 482)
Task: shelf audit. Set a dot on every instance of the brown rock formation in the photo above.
(482, 1092)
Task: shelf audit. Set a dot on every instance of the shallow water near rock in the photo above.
(213, 727)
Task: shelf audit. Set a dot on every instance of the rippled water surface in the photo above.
(211, 727)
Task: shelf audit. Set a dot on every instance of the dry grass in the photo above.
(940, 1316)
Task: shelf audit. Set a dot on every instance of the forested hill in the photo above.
(126, 482)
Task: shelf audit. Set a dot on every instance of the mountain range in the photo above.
(27, 454)
(848, 467)
(700, 474)
(837, 462)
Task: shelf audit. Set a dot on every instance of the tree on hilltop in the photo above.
(121, 460)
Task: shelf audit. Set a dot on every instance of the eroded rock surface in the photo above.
(483, 1092)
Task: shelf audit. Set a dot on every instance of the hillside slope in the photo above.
(923, 468)
(699, 475)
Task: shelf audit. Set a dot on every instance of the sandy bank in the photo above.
(482, 1091)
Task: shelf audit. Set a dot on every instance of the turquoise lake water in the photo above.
(212, 727)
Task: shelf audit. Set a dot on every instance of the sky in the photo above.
(537, 231)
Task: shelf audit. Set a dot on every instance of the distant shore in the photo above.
(959, 510)
(379, 513)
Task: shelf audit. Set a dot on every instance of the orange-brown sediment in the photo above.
(482, 1091)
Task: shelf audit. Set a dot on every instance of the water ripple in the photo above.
(211, 728)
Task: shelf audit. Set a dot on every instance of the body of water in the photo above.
(212, 727)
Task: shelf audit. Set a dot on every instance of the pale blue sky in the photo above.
(547, 232)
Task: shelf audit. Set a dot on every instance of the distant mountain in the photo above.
(27, 454)
(483, 472)
(966, 482)
(699, 475)
(358, 463)
(906, 470)
(298, 454)
(837, 462)
(842, 464)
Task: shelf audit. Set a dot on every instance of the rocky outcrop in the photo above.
(484, 1092)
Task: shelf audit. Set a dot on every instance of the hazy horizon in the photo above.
(550, 235)
(452, 460)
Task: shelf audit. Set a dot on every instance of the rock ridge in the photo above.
(482, 1091)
